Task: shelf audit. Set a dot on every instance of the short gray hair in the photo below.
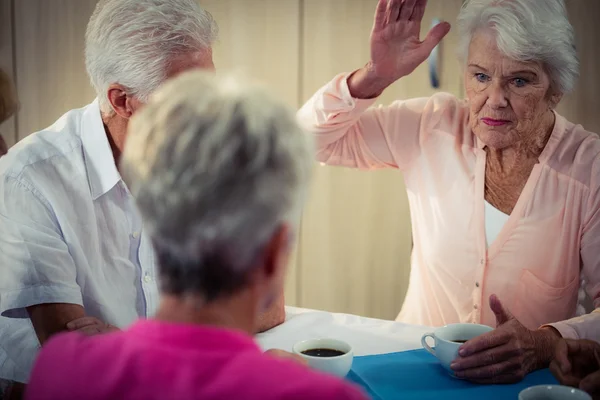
(131, 42)
(216, 166)
(526, 30)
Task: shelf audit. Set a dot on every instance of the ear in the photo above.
(555, 98)
(276, 254)
(121, 102)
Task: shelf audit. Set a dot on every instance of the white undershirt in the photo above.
(494, 221)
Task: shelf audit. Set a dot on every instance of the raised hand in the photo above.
(396, 47)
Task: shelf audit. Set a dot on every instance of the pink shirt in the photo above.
(155, 360)
(550, 238)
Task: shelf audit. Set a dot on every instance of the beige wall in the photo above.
(354, 246)
(8, 129)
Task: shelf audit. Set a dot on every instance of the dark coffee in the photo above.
(323, 352)
(459, 341)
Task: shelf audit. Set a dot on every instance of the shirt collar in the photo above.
(100, 165)
(193, 336)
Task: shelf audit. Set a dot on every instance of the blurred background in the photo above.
(353, 251)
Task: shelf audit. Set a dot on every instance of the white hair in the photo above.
(131, 42)
(216, 166)
(526, 30)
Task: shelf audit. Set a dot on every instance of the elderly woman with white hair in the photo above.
(73, 250)
(503, 191)
(220, 171)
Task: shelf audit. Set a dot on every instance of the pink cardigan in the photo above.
(551, 237)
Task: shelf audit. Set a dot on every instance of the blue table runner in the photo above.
(418, 375)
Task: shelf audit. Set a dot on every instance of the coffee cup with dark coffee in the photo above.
(448, 339)
(328, 355)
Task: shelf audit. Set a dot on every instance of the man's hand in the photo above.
(52, 318)
(90, 326)
(507, 354)
(272, 317)
(286, 355)
(577, 364)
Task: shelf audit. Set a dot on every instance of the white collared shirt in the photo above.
(69, 233)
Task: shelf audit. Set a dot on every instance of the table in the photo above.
(400, 373)
(366, 335)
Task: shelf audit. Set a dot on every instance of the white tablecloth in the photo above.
(365, 335)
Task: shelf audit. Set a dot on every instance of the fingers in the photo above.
(504, 372)
(393, 11)
(574, 346)
(419, 11)
(82, 322)
(90, 330)
(502, 315)
(591, 384)
(486, 341)
(435, 36)
(561, 356)
(484, 358)
(380, 14)
(286, 355)
(562, 377)
(407, 9)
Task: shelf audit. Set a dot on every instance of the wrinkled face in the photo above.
(510, 101)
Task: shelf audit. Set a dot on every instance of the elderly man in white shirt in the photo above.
(72, 250)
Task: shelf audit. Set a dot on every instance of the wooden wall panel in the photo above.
(260, 40)
(8, 129)
(581, 106)
(356, 234)
(51, 77)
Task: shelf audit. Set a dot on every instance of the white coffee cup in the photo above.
(445, 345)
(553, 392)
(337, 365)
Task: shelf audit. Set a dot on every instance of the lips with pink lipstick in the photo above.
(494, 122)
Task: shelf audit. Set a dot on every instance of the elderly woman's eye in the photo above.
(481, 77)
(520, 82)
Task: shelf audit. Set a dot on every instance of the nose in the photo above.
(496, 96)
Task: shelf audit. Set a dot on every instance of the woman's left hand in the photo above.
(286, 355)
(507, 354)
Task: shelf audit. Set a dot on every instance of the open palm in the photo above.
(396, 48)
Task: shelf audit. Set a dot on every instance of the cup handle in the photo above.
(425, 345)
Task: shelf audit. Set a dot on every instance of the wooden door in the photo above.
(356, 234)
(260, 40)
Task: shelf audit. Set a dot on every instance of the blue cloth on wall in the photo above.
(418, 375)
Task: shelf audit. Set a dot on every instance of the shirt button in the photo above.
(476, 284)
(147, 279)
(481, 261)
(475, 306)
(135, 234)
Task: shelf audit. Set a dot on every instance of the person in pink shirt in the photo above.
(219, 170)
(503, 191)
